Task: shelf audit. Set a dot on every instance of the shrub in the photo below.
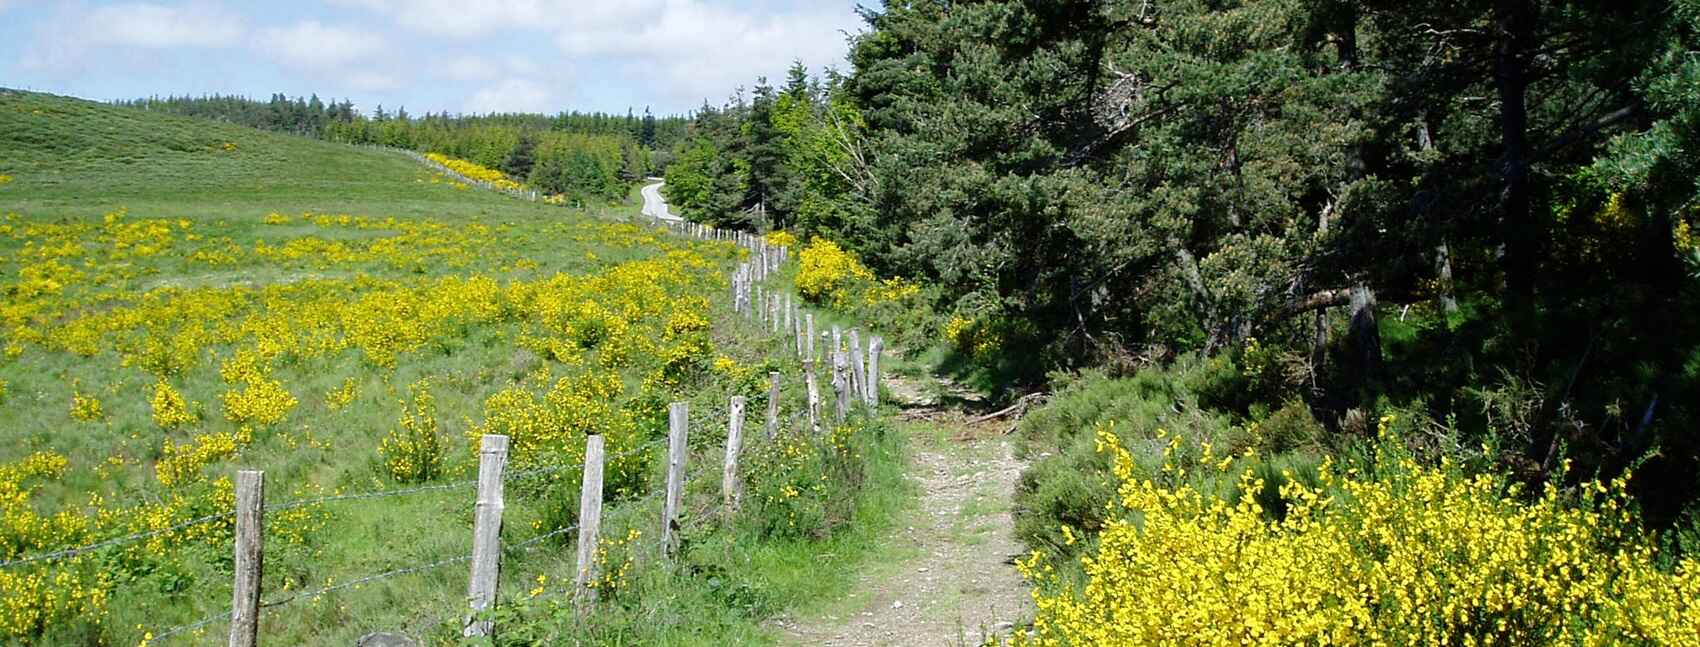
(1412, 555)
(85, 407)
(261, 400)
(170, 410)
(828, 274)
(414, 452)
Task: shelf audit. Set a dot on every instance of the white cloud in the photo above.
(459, 19)
(513, 95)
(157, 26)
(688, 49)
(64, 42)
(311, 44)
(694, 50)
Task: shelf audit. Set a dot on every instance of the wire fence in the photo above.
(791, 416)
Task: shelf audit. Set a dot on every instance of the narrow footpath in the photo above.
(950, 579)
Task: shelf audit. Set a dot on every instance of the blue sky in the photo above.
(428, 55)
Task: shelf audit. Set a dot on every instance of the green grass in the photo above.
(70, 157)
(74, 162)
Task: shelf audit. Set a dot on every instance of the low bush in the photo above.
(1394, 553)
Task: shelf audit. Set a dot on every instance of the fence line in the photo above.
(759, 304)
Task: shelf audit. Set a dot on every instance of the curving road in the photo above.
(654, 205)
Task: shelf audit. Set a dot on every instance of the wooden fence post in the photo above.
(759, 306)
(786, 306)
(729, 488)
(875, 347)
(773, 312)
(858, 380)
(486, 532)
(840, 386)
(245, 590)
(772, 404)
(797, 332)
(678, 423)
(810, 339)
(814, 394)
(589, 522)
(837, 341)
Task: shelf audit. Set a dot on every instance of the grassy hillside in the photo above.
(187, 298)
(74, 157)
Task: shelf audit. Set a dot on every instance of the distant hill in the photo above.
(76, 157)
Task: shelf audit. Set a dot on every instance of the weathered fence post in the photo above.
(810, 317)
(759, 306)
(814, 394)
(729, 488)
(797, 332)
(786, 307)
(840, 386)
(773, 313)
(245, 589)
(486, 532)
(772, 404)
(875, 347)
(678, 423)
(589, 523)
(858, 381)
(837, 341)
(737, 293)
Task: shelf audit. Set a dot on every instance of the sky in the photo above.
(465, 56)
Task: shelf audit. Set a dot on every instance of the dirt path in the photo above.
(950, 581)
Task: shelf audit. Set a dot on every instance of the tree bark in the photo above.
(1515, 22)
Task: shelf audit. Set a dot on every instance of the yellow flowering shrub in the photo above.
(5, 179)
(614, 557)
(793, 497)
(781, 238)
(343, 395)
(37, 596)
(85, 407)
(170, 410)
(971, 337)
(32, 600)
(180, 464)
(1414, 555)
(414, 452)
(475, 171)
(550, 430)
(261, 400)
(828, 274)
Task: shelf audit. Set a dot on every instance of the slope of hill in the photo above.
(183, 299)
(74, 157)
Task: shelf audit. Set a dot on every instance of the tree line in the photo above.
(585, 156)
(1481, 209)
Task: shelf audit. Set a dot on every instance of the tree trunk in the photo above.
(1363, 342)
(1443, 276)
(1515, 22)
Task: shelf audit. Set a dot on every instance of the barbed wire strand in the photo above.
(374, 494)
(367, 579)
(526, 546)
(115, 541)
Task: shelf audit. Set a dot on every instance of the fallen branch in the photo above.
(1020, 404)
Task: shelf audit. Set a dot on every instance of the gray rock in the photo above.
(385, 639)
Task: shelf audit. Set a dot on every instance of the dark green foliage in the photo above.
(584, 168)
(1400, 202)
